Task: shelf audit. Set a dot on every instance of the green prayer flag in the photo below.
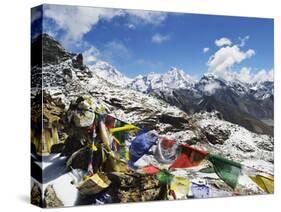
(164, 177)
(227, 170)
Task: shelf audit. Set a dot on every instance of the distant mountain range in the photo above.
(247, 104)
(164, 103)
(64, 77)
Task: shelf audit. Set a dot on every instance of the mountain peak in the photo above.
(108, 72)
(174, 78)
(47, 48)
(175, 71)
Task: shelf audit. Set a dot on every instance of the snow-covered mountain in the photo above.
(240, 103)
(110, 73)
(173, 79)
(65, 79)
(262, 90)
(209, 84)
(177, 79)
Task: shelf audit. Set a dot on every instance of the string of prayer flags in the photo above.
(228, 170)
(189, 157)
(112, 129)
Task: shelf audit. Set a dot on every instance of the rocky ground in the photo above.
(67, 79)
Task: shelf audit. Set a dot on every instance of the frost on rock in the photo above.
(69, 80)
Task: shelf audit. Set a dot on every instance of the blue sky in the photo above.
(139, 42)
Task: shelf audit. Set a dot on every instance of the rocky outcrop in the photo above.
(216, 135)
(72, 94)
(51, 199)
(36, 195)
(77, 62)
(133, 187)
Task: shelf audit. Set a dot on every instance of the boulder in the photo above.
(135, 187)
(215, 135)
(94, 184)
(264, 145)
(51, 199)
(77, 62)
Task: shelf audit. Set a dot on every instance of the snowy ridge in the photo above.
(69, 79)
(173, 79)
(109, 73)
(241, 144)
(262, 90)
(210, 83)
(152, 113)
(176, 78)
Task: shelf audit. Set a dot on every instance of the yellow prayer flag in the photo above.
(265, 182)
(125, 128)
(180, 186)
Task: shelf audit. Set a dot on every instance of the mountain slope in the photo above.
(109, 73)
(69, 79)
(131, 106)
(251, 104)
(174, 78)
(244, 104)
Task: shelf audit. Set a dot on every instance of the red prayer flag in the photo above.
(150, 170)
(109, 121)
(167, 143)
(189, 157)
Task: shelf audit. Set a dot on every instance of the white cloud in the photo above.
(246, 75)
(263, 75)
(223, 61)
(243, 40)
(223, 42)
(113, 51)
(91, 55)
(131, 26)
(147, 17)
(158, 38)
(226, 57)
(210, 88)
(116, 50)
(206, 49)
(75, 21)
